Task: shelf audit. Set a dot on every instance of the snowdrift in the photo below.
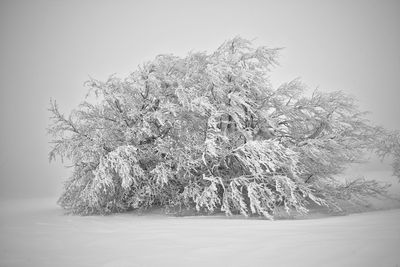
(37, 233)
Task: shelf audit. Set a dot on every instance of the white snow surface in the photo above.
(36, 232)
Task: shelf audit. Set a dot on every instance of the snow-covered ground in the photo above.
(35, 232)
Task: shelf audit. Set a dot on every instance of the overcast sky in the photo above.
(49, 48)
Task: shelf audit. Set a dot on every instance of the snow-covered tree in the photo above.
(209, 131)
(388, 144)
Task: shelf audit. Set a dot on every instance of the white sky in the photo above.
(49, 48)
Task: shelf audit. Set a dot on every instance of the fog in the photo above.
(49, 48)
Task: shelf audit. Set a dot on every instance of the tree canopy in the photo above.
(209, 131)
